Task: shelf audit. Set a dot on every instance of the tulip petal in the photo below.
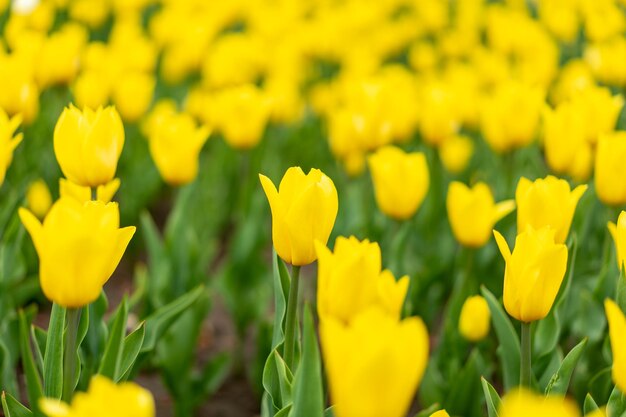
(502, 245)
(33, 226)
(502, 209)
(617, 332)
(280, 232)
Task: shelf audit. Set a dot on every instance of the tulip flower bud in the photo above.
(79, 246)
(375, 364)
(533, 274)
(304, 209)
(8, 142)
(400, 179)
(475, 319)
(474, 203)
(617, 334)
(456, 153)
(38, 198)
(355, 268)
(522, 402)
(547, 201)
(88, 144)
(610, 170)
(132, 94)
(175, 147)
(618, 232)
(103, 399)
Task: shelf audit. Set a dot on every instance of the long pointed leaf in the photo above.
(53, 358)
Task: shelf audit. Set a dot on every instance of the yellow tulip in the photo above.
(610, 170)
(523, 403)
(38, 198)
(475, 319)
(175, 147)
(104, 193)
(439, 120)
(20, 94)
(79, 246)
(565, 141)
(533, 274)
(618, 232)
(456, 153)
(304, 209)
(59, 57)
(88, 144)
(601, 109)
(617, 333)
(473, 212)
(90, 91)
(103, 399)
(241, 114)
(547, 201)
(132, 95)
(440, 413)
(401, 181)
(374, 364)
(8, 142)
(350, 280)
(574, 77)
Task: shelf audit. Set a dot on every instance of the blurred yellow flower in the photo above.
(475, 319)
(618, 232)
(59, 57)
(234, 58)
(533, 274)
(350, 280)
(610, 170)
(401, 181)
(20, 94)
(38, 198)
(523, 403)
(617, 333)
(438, 118)
(79, 246)
(601, 110)
(304, 209)
(547, 201)
(374, 364)
(132, 95)
(574, 77)
(8, 141)
(604, 60)
(456, 153)
(103, 399)
(104, 192)
(88, 144)
(476, 203)
(241, 114)
(175, 146)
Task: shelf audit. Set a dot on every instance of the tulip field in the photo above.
(312, 208)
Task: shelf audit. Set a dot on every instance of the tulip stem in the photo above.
(525, 369)
(72, 318)
(292, 309)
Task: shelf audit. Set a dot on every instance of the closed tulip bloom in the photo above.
(88, 144)
(79, 246)
(350, 280)
(38, 198)
(617, 333)
(601, 109)
(175, 148)
(475, 319)
(456, 153)
(375, 364)
(8, 141)
(533, 274)
(547, 201)
(618, 232)
(473, 212)
(104, 399)
(564, 134)
(610, 170)
(132, 95)
(524, 403)
(304, 209)
(401, 181)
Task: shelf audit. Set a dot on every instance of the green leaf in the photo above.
(281, 290)
(277, 381)
(33, 379)
(112, 358)
(491, 397)
(13, 408)
(39, 336)
(561, 379)
(308, 396)
(617, 403)
(285, 412)
(53, 358)
(428, 411)
(213, 375)
(509, 350)
(132, 347)
(620, 296)
(329, 412)
(159, 321)
(464, 388)
(590, 404)
(546, 334)
(150, 232)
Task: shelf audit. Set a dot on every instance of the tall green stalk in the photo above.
(291, 330)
